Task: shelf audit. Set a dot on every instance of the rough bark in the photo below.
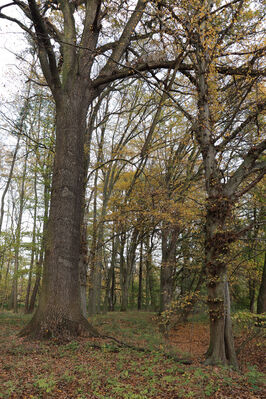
(59, 311)
(72, 87)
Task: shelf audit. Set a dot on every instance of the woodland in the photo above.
(132, 192)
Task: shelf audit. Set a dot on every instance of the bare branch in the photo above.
(247, 167)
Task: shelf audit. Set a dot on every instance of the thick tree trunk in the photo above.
(221, 348)
(59, 312)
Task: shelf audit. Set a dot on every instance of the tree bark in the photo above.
(33, 249)
(59, 311)
(140, 276)
(168, 267)
(261, 306)
(126, 268)
(14, 293)
(221, 348)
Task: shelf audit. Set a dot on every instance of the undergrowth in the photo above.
(102, 368)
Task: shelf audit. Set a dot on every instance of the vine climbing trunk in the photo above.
(221, 348)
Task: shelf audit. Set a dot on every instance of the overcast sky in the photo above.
(12, 41)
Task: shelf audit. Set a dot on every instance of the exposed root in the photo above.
(146, 350)
(59, 328)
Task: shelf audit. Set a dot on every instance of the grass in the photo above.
(100, 368)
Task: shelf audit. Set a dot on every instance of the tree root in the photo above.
(146, 350)
(60, 329)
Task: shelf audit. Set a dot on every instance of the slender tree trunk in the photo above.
(252, 296)
(5, 295)
(167, 283)
(140, 276)
(112, 298)
(228, 329)
(36, 286)
(10, 175)
(150, 292)
(33, 249)
(261, 307)
(126, 268)
(110, 280)
(59, 311)
(18, 237)
(123, 274)
(94, 305)
(94, 296)
(83, 266)
(39, 263)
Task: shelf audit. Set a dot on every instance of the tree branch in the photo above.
(46, 53)
(247, 167)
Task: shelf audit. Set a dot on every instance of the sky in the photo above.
(12, 41)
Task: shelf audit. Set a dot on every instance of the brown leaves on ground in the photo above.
(100, 368)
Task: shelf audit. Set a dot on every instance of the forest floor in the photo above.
(103, 369)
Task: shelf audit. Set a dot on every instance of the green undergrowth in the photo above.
(104, 369)
(134, 327)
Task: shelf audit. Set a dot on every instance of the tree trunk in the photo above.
(36, 285)
(109, 300)
(18, 238)
(123, 274)
(39, 263)
(126, 268)
(59, 312)
(83, 266)
(252, 297)
(33, 249)
(140, 276)
(221, 348)
(94, 304)
(167, 283)
(150, 291)
(261, 307)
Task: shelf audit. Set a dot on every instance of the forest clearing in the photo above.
(102, 368)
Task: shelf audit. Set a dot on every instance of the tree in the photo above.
(70, 78)
(226, 103)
